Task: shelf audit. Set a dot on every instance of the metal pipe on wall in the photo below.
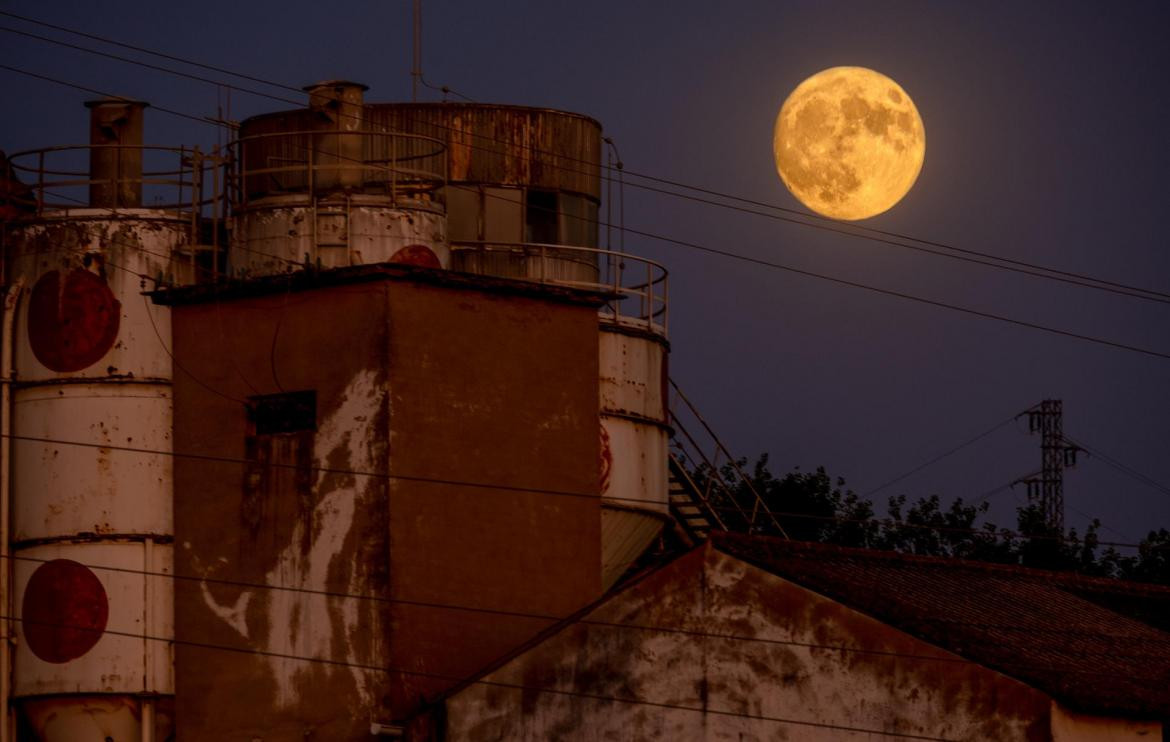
(148, 702)
(7, 728)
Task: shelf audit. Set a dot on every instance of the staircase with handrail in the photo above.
(708, 488)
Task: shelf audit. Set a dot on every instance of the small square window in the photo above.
(291, 412)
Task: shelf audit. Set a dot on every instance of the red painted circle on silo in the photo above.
(72, 320)
(64, 612)
(606, 460)
(419, 255)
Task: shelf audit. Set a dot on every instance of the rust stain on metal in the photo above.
(606, 460)
(419, 255)
(73, 320)
(506, 145)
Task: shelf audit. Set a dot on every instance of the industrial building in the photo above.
(354, 430)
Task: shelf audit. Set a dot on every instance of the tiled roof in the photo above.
(1096, 645)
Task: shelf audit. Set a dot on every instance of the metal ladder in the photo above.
(334, 215)
(708, 489)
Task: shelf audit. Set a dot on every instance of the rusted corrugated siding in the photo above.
(266, 152)
(501, 145)
(505, 145)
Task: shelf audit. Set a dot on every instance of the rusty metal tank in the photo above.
(522, 183)
(322, 186)
(87, 394)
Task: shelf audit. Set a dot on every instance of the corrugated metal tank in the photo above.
(521, 182)
(323, 186)
(91, 532)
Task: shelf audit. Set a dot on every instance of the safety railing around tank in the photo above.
(410, 169)
(114, 176)
(717, 482)
(640, 285)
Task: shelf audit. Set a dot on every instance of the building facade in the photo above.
(372, 440)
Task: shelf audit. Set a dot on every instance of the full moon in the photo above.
(849, 143)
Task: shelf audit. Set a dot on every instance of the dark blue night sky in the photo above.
(1046, 143)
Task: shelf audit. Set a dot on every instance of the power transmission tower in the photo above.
(1057, 454)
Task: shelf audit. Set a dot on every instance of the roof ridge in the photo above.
(1066, 579)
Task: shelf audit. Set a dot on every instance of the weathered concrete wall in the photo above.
(747, 658)
(499, 390)
(292, 526)
(1069, 726)
(438, 384)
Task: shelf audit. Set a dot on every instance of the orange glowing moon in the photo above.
(849, 143)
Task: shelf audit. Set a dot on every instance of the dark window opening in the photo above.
(279, 452)
(291, 412)
(540, 217)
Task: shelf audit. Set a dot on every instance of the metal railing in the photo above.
(409, 168)
(639, 284)
(723, 490)
(57, 178)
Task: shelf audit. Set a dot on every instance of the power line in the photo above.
(865, 232)
(891, 524)
(495, 486)
(181, 368)
(337, 595)
(881, 523)
(147, 65)
(888, 524)
(782, 267)
(823, 223)
(941, 456)
(144, 50)
(204, 120)
(621, 626)
(46, 78)
(208, 121)
(461, 680)
(902, 295)
(1124, 469)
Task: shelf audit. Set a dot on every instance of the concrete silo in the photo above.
(87, 394)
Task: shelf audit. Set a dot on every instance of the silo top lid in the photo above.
(115, 101)
(335, 84)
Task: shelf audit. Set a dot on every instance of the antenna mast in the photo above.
(416, 69)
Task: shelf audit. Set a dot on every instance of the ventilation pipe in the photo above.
(115, 155)
(338, 157)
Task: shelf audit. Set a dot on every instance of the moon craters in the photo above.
(849, 143)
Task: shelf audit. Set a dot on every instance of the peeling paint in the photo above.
(279, 237)
(234, 615)
(706, 678)
(300, 621)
